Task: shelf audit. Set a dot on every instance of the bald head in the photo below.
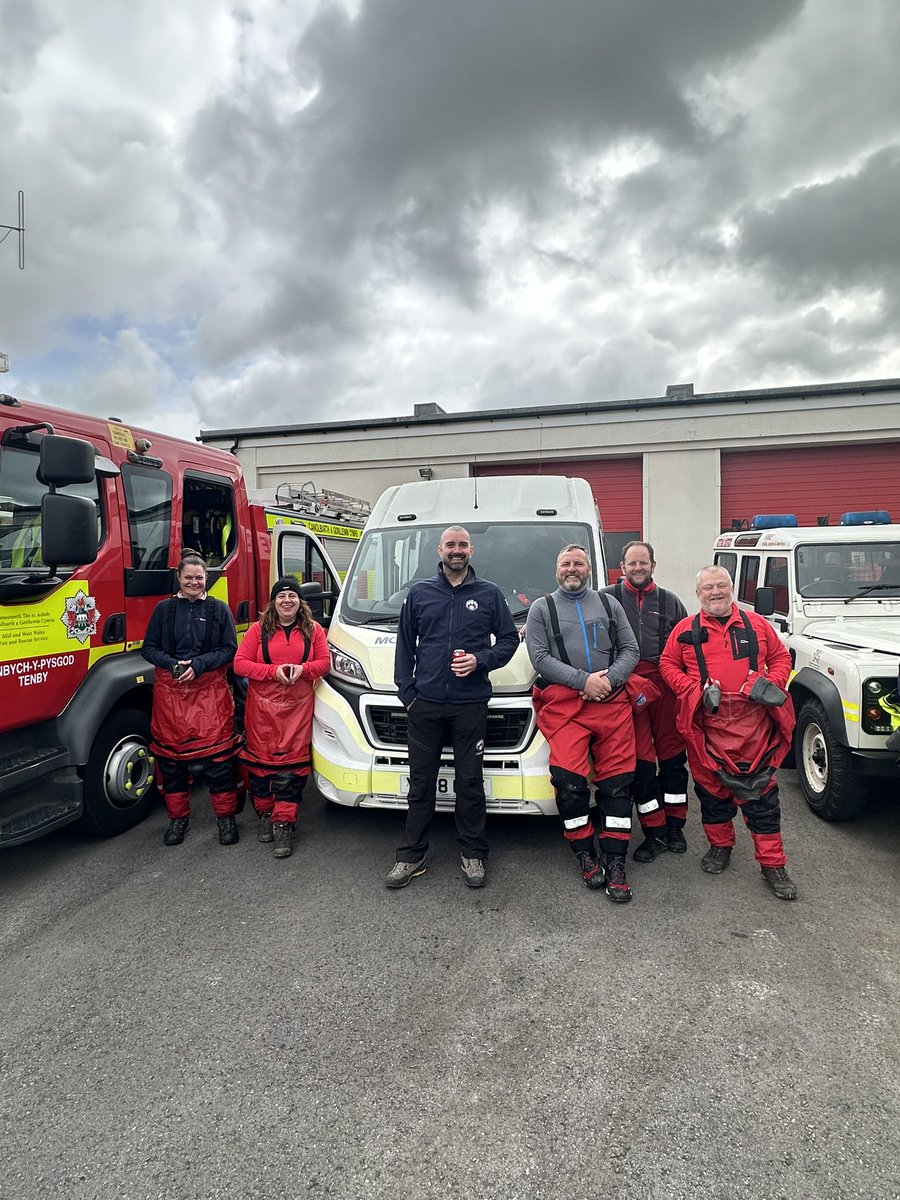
(454, 550)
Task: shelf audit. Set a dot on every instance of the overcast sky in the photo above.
(291, 211)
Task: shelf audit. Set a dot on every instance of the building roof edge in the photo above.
(701, 399)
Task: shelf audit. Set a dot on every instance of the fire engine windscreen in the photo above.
(20, 505)
(840, 571)
(520, 557)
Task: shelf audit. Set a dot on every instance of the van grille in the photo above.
(506, 728)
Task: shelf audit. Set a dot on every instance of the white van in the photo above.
(518, 525)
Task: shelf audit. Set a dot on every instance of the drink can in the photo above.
(458, 654)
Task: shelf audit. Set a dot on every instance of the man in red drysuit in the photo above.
(728, 669)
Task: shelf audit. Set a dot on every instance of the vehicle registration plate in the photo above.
(446, 785)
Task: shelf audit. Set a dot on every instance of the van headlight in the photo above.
(344, 666)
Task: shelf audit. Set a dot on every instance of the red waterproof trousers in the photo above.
(733, 755)
(584, 737)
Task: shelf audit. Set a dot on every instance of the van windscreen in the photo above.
(520, 557)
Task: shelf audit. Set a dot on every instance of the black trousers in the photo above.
(430, 728)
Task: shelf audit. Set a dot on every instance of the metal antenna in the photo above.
(19, 229)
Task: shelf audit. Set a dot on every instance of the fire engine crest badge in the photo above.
(81, 616)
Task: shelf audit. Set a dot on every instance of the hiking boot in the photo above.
(265, 828)
(175, 831)
(676, 840)
(616, 884)
(473, 872)
(652, 847)
(228, 830)
(283, 836)
(716, 859)
(780, 882)
(592, 871)
(402, 872)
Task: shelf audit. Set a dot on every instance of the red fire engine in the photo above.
(94, 515)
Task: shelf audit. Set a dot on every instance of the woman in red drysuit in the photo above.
(282, 656)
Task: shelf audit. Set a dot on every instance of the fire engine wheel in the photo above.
(831, 786)
(119, 787)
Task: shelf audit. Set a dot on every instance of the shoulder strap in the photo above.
(264, 645)
(752, 641)
(698, 651)
(611, 625)
(557, 632)
(663, 623)
(752, 645)
(209, 631)
(619, 590)
(173, 605)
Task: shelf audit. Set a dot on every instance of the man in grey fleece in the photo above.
(583, 649)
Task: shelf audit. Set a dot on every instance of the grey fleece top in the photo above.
(585, 633)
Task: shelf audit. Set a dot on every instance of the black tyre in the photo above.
(831, 786)
(119, 787)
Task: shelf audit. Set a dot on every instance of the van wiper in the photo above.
(873, 587)
(376, 619)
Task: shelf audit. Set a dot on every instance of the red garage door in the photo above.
(617, 484)
(811, 483)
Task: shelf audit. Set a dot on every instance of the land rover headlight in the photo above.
(344, 666)
(874, 718)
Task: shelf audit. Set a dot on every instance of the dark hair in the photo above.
(191, 558)
(270, 622)
(630, 546)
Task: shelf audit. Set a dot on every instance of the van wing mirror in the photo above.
(65, 460)
(68, 530)
(764, 601)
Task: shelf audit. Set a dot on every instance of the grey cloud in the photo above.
(839, 233)
(465, 98)
(298, 309)
(27, 27)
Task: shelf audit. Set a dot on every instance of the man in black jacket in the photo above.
(443, 658)
(659, 792)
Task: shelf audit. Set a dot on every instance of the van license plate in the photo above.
(446, 786)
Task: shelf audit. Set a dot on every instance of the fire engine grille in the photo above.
(506, 728)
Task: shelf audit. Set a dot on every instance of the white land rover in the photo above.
(834, 594)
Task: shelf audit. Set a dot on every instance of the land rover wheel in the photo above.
(830, 785)
(119, 787)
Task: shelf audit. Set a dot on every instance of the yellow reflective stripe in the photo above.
(220, 589)
(98, 652)
(344, 780)
(851, 711)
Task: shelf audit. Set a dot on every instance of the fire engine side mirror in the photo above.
(312, 594)
(65, 460)
(764, 601)
(68, 530)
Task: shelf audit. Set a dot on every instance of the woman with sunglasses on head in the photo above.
(281, 656)
(191, 641)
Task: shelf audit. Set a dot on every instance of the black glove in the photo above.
(764, 691)
(712, 697)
